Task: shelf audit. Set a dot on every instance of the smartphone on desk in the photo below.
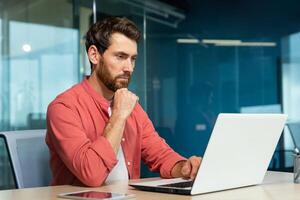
(95, 195)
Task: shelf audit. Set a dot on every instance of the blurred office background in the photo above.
(197, 58)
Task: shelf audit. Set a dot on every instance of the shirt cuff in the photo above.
(104, 149)
(167, 167)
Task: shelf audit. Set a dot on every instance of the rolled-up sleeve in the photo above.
(89, 161)
(156, 153)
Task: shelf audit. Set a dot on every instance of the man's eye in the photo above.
(120, 56)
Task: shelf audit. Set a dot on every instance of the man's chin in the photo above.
(120, 86)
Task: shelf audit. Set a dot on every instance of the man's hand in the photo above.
(188, 168)
(124, 103)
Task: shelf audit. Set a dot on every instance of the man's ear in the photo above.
(93, 54)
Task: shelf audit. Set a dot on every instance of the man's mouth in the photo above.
(124, 77)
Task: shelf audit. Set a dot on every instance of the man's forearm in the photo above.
(114, 131)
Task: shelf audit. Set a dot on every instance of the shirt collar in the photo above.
(98, 97)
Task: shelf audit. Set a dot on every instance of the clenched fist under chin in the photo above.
(123, 103)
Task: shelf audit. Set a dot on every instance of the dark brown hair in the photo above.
(100, 33)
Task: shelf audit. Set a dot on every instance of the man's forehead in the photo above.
(121, 43)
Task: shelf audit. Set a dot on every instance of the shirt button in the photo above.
(123, 139)
(128, 163)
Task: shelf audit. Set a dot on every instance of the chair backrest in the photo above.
(29, 157)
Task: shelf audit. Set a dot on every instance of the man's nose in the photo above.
(128, 65)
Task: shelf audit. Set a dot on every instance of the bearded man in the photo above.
(97, 132)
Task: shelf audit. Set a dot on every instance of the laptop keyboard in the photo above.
(180, 184)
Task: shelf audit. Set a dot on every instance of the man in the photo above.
(96, 131)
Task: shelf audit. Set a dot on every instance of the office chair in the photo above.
(29, 157)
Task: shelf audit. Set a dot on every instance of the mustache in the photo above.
(127, 76)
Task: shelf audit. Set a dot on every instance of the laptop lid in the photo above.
(239, 151)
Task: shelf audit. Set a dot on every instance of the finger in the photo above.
(195, 163)
(121, 89)
(196, 159)
(186, 169)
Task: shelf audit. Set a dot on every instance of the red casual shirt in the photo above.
(81, 155)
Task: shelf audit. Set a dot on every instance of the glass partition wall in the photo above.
(38, 59)
(196, 59)
(211, 63)
(39, 47)
(223, 57)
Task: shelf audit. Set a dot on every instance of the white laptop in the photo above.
(237, 155)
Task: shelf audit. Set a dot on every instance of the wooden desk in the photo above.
(277, 185)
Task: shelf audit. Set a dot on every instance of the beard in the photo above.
(112, 83)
